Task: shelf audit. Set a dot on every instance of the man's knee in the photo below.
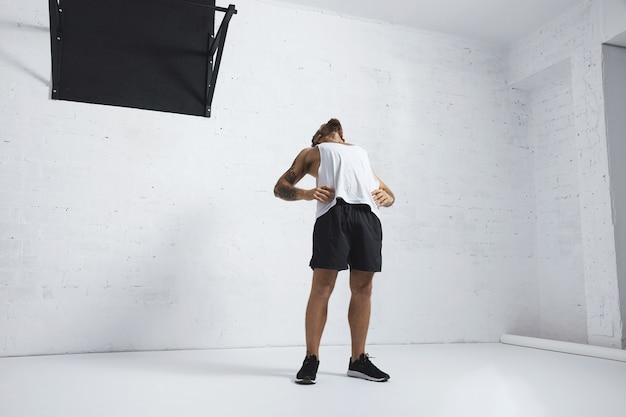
(361, 283)
(323, 283)
(322, 290)
(364, 291)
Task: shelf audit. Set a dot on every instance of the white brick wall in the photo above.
(576, 38)
(613, 16)
(551, 44)
(558, 254)
(127, 229)
(614, 61)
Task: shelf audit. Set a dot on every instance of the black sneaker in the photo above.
(306, 375)
(364, 368)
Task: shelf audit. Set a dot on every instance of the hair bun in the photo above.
(334, 125)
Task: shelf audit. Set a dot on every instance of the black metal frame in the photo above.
(214, 50)
(216, 47)
(56, 43)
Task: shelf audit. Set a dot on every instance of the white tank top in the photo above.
(347, 169)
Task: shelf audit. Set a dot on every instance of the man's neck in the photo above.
(333, 137)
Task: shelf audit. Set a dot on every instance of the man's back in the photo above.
(346, 169)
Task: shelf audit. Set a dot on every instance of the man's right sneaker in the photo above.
(364, 368)
(306, 375)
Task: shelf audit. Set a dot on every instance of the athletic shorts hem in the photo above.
(349, 267)
(332, 268)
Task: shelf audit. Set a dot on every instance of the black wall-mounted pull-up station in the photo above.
(159, 55)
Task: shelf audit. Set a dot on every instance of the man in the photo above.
(347, 233)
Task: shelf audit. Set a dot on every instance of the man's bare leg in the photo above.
(360, 309)
(317, 307)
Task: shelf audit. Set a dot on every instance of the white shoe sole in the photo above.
(357, 374)
(305, 381)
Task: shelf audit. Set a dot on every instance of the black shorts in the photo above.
(348, 235)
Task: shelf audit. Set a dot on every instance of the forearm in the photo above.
(289, 192)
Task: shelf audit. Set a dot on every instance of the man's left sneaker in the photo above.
(365, 369)
(306, 374)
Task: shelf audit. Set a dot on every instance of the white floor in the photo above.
(426, 380)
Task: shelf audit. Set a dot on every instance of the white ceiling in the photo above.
(496, 21)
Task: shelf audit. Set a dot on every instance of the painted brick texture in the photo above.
(558, 255)
(123, 229)
(574, 40)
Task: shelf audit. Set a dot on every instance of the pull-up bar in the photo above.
(147, 54)
(207, 6)
(216, 44)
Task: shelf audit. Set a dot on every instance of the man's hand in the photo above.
(323, 194)
(382, 198)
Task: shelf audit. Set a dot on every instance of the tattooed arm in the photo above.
(307, 162)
